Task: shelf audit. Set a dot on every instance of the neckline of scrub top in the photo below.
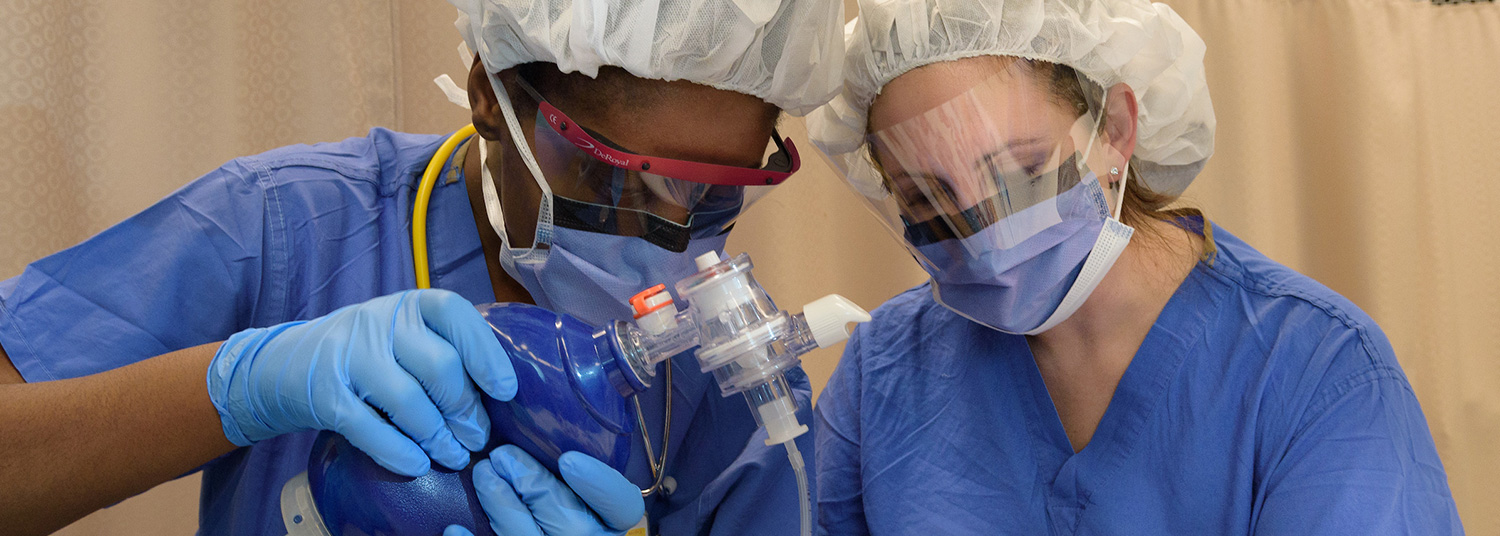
(454, 254)
(1179, 329)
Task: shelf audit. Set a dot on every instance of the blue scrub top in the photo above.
(1261, 402)
(293, 234)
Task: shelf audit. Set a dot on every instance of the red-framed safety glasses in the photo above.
(780, 165)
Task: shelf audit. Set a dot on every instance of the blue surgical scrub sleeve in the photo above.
(1355, 467)
(839, 472)
(201, 254)
(297, 232)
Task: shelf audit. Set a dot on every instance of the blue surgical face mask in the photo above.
(1039, 282)
(586, 274)
(1028, 247)
(591, 275)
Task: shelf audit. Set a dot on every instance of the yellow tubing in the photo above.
(424, 194)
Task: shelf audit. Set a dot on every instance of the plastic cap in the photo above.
(650, 300)
(829, 316)
(706, 260)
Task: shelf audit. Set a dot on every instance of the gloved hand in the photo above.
(522, 498)
(410, 355)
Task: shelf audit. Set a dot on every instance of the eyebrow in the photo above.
(1024, 142)
(1010, 147)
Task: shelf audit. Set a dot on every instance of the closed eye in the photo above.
(925, 203)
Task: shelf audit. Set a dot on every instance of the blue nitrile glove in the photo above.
(410, 355)
(522, 498)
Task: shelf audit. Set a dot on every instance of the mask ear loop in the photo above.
(492, 208)
(1125, 178)
(1120, 201)
(544, 208)
(1094, 137)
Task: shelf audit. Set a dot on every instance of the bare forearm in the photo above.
(70, 447)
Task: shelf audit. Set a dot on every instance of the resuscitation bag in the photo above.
(565, 401)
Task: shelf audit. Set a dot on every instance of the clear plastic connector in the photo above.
(742, 338)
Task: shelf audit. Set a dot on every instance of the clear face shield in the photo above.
(990, 189)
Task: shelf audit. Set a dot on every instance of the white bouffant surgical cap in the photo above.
(786, 52)
(1146, 46)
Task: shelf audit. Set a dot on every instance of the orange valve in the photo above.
(643, 304)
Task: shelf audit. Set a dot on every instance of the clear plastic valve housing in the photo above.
(740, 335)
(744, 340)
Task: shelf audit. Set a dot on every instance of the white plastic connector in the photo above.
(780, 418)
(829, 317)
(707, 259)
(659, 320)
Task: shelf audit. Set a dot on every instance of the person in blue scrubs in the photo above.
(1084, 360)
(301, 259)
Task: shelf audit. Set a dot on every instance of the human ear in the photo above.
(484, 105)
(1120, 126)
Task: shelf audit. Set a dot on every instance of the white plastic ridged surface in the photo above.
(828, 318)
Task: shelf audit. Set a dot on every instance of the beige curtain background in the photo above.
(1354, 145)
